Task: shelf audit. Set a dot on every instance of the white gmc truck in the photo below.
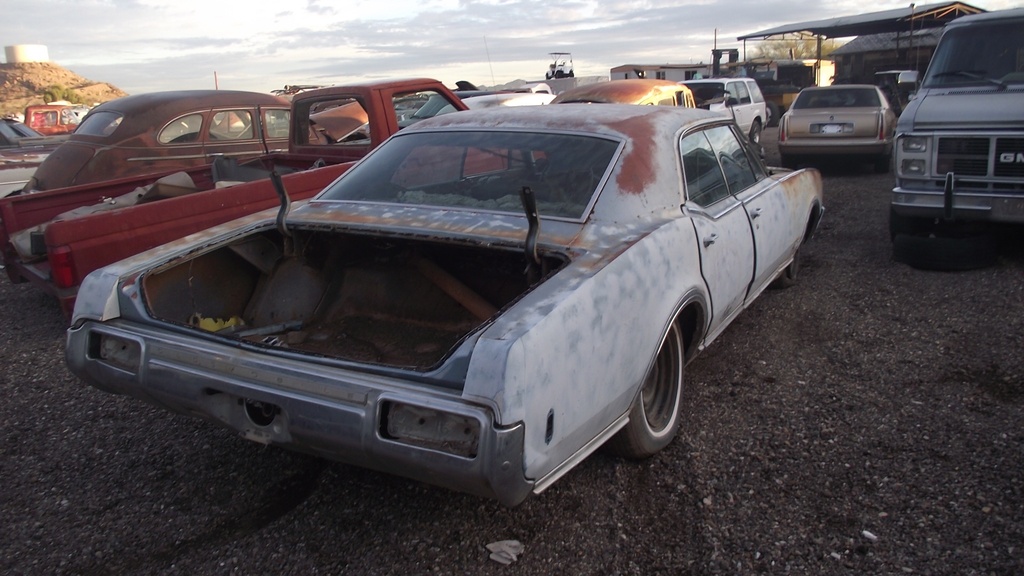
(959, 152)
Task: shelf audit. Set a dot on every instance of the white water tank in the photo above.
(22, 53)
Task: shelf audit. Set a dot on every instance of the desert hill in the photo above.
(22, 84)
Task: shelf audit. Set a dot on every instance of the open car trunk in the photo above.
(396, 302)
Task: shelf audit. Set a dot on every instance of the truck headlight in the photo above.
(914, 144)
(913, 167)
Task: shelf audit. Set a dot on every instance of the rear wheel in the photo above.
(755, 137)
(654, 417)
(773, 113)
(789, 275)
(882, 164)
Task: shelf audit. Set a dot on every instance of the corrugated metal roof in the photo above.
(895, 20)
(889, 41)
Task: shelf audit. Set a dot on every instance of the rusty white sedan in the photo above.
(479, 304)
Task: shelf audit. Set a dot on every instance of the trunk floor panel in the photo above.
(387, 341)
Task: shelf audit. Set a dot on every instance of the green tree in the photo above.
(57, 92)
(794, 48)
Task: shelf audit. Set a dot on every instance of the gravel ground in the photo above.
(865, 421)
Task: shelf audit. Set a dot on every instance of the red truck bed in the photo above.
(59, 257)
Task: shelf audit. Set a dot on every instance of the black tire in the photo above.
(773, 113)
(654, 416)
(946, 253)
(789, 275)
(881, 164)
(915, 226)
(755, 137)
(788, 161)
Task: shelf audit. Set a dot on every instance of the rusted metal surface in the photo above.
(631, 91)
(547, 378)
(119, 138)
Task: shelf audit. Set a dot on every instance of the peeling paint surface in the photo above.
(557, 365)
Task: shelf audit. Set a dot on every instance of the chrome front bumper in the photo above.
(331, 412)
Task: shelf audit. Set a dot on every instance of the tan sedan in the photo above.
(848, 121)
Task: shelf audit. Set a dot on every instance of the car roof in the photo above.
(839, 87)
(622, 91)
(719, 80)
(184, 100)
(613, 120)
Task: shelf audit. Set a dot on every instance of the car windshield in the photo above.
(837, 98)
(16, 130)
(482, 170)
(704, 91)
(985, 53)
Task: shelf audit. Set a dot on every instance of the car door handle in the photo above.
(709, 240)
(755, 213)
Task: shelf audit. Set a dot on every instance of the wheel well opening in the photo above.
(812, 222)
(690, 320)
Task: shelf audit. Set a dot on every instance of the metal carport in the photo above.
(896, 20)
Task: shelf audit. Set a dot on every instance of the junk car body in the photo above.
(630, 91)
(480, 303)
(163, 132)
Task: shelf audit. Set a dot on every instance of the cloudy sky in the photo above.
(150, 45)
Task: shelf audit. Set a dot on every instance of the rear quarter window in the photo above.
(100, 123)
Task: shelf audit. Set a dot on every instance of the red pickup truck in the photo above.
(55, 238)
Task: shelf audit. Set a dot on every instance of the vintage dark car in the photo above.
(22, 149)
(480, 303)
(12, 132)
(165, 131)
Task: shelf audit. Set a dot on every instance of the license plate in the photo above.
(831, 128)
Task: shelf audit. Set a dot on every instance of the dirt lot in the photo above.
(865, 421)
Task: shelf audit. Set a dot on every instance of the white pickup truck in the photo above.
(739, 97)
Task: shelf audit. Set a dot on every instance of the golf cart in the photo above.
(560, 67)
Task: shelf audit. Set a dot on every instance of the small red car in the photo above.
(164, 131)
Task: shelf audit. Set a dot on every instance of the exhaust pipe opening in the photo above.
(261, 414)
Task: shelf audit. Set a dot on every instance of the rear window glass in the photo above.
(101, 123)
(837, 98)
(482, 170)
(705, 91)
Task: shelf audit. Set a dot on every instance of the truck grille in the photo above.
(963, 156)
(1009, 158)
(975, 156)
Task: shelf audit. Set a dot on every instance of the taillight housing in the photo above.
(62, 270)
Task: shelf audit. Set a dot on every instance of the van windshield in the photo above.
(985, 53)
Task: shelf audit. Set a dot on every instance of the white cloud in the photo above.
(148, 45)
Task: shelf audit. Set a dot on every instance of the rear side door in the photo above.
(234, 132)
(721, 227)
(774, 225)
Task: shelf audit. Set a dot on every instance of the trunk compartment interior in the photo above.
(396, 302)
